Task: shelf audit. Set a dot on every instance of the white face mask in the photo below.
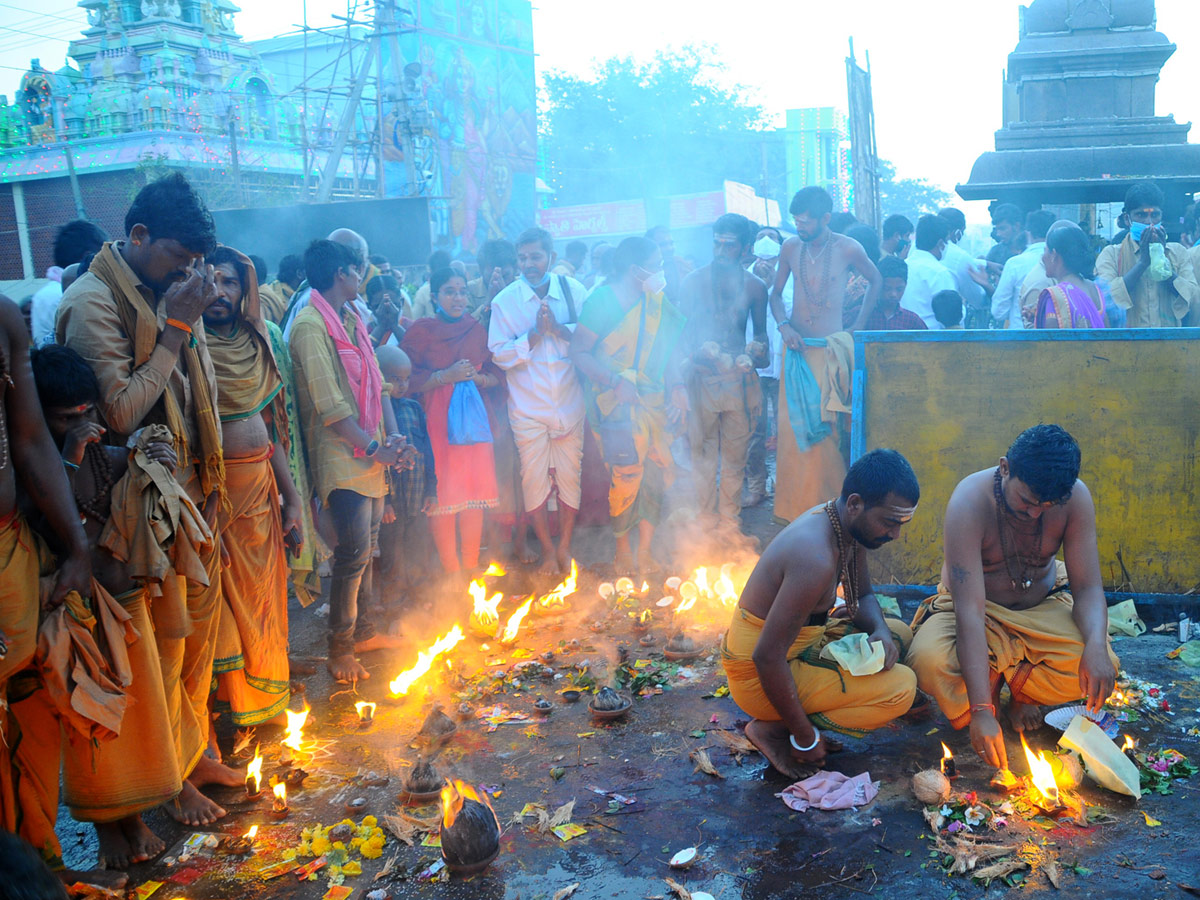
(655, 283)
(766, 247)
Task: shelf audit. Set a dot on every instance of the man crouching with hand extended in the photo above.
(1004, 612)
(785, 619)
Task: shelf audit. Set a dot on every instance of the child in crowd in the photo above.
(948, 309)
(404, 534)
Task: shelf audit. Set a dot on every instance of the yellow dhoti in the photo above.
(130, 773)
(1036, 651)
(832, 698)
(812, 471)
(251, 661)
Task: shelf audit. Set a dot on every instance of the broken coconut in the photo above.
(437, 726)
(423, 779)
(931, 786)
(684, 858)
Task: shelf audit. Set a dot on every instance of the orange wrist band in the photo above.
(182, 326)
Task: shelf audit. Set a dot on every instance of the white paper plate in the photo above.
(1061, 719)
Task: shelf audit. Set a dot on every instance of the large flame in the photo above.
(1041, 773)
(495, 570)
(514, 622)
(701, 578)
(254, 771)
(295, 724)
(425, 658)
(486, 612)
(454, 794)
(559, 595)
(724, 588)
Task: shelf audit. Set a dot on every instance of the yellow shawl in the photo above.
(141, 324)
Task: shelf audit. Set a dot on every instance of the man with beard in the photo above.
(775, 652)
(723, 387)
(814, 394)
(251, 662)
(530, 338)
(1004, 612)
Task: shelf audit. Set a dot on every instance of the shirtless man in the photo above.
(810, 464)
(1003, 613)
(722, 380)
(783, 621)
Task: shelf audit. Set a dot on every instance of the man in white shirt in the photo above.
(530, 338)
(1006, 301)
(72, 243)
(926, 274)
(960, 263)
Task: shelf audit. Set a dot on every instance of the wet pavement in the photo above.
(750, 844)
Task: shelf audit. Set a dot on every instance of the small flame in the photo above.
(250, 835)
(645, 616)
(495, 570)
(365, 709)
(254, 770)
(1128, 745)
(295, 724)
(689, 593)
(559, 595)
(280, 792)
(946, 754)
(454, 795)
(514, 622)
(1041, 773)
(486, 612)
(425, 658)
(645, 586)
(701, 579)
(725, 591)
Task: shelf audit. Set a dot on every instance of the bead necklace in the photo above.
(1021, 578)
(822, 302)
(8, 383)
(847, 560)
(99, 505)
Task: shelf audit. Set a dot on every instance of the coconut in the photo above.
(1068, 771)
(683, 858)
(930, 786)
(606, 698)
(711, 349)
(681, 643)
(744, 363)
(474, 838)
(625, 585)
(423, 779)
(437, 724)
(672, 584)
(606, 590)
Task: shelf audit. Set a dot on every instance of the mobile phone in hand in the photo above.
(293, 541)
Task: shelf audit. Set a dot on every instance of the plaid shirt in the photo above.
(901, 320)
(410, 487)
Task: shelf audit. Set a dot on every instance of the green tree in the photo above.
(911, 197)
(643, 130)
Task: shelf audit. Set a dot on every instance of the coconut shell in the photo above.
(930, 786)
(473, 838)
(606, 698)
(681, 643)
(437, 723)
(423, 779)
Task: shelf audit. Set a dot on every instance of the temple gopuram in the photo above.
(1079, 111)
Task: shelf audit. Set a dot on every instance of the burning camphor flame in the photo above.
(454, 794)
(946, 754)
(365, 709)
(495, 570)
(1041, 773)
(559, 595)
(280, 792)
(514, 622)
(295, 724)
(425, 658)
(1128, 745)
(486, 612)
(250, 835)
(254, 771)
(689, 593)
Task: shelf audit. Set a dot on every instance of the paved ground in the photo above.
(750, 845)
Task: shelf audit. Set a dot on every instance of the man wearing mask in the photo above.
(926, 275)
(530, 338)
(1148, 276)
(767, 245)
(960, 264)
(723, 388)
(897, 236)
(674, 269)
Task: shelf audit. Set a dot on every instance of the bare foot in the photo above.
(549, 564)
(380, 640)
(346, 669)
(209, 771)
(192, 808)
(300, 668)
(145, 843)
(526, 556)
(113, 881)
(564, 560)
(623, 563)
(771, 739)
(114, 852)
(1025, 716)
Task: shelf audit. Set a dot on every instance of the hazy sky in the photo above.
(937, 64)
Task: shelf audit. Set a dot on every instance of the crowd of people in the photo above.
(184, 438)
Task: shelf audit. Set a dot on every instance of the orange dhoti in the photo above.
(251, 661)
(833, 698)
(1036, 651)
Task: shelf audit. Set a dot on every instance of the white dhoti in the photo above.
(543, 449)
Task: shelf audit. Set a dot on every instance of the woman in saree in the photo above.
(624, 345)
(447, 350)
(1075, 301)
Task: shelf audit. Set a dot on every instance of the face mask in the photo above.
(766, 248)
(655, 283)
(545, 280)
(1136, 230)
(445, 316)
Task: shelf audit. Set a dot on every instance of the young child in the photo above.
(404, 535)
(948, 309)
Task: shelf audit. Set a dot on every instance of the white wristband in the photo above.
(812, 746)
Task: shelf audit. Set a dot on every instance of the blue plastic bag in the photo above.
(467, 418)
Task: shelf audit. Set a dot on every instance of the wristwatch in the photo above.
(372, 449)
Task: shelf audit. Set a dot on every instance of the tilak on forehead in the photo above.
(903, 513)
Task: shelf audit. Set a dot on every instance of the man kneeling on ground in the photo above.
(1004, 612)
(786, 617)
